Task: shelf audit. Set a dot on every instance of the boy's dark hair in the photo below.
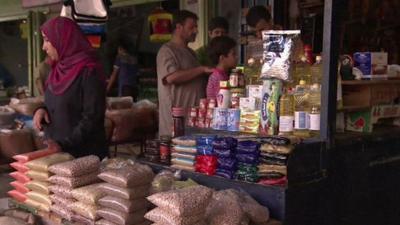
(219, 46)
(181, 16)
(218, 22)
(256, 13)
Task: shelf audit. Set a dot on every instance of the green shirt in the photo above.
(202, 56)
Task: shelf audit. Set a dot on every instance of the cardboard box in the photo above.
(372, 64)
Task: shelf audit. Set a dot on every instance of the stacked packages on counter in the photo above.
(126, 188)
(247, 156)
(183, 154)
(180, 207)
(74, 189)
(224, 149)
(24, 185)
(272, 169)
(206, 161)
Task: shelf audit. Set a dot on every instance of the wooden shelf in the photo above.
(369, 82)
(353, 108)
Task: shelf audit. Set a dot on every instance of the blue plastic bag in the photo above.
(205, 150)
(227, 163)
(247, 147)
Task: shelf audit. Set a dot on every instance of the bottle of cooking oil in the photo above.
(316, 71)
(315, 103)
(302, 71)
(286, 113)
(301, 110)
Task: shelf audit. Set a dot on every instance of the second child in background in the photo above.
(223, 56)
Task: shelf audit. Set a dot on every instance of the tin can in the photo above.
(212, 103)
(233, 119)
(210, 113)
(234, 79)
(220, 119)
(203, 103)
(193, 112)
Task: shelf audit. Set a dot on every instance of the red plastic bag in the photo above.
(17, 195)
(279, 181)
(20, 167)
(22, 178)
(19, 187)
(23, 158)
(206, 164)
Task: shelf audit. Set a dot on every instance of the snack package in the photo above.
(43, 163)
(21, 177)
(38, 175)
(38, 186)
(19, 187)
(271, 92)
(38, 197)
(250, 121)
(20, 167)
(279, 48)
(17, 195)
(23, 158)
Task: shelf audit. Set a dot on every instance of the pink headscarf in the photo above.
(74, 53)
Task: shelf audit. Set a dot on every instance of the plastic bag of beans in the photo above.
(74, 182)
(123, 205)
(60, 190)
(60, 200)
(76, 167)
(20, 167)
(160, 216)
(185, 202)
(121, 218)
(81, 220)
(128, 176)
(85, 210)
(125, 193)
(23, 158)
(43, 164)
(88, 194)
(38, 186)
(104, 222)
(37, 175)
(62, 211)
(19, 187)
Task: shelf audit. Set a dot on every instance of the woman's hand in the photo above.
(40, 115)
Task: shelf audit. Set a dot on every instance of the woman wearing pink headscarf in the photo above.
(73, 118)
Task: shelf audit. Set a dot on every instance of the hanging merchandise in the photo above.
(160, 24)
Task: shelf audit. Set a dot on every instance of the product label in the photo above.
(286, 123)
(315, 121)
(301, 120)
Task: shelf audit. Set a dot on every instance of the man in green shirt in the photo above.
(218, 26)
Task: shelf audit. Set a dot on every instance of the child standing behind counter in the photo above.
(223, 56)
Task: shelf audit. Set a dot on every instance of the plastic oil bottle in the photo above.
(317, 70)
(286, 113)
(301, 110)
(315, 103)
(302, 71)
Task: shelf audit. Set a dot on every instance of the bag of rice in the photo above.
(128, 176)
(23, 158)
(60, 190)
(85, 210)
(74, 182)
(43, 164)
(121, 218)
(6, 220)
(38, 186)
(185, 202)
(41, 198)
(125, 193)
(81, 220)
(89, 194)
(37, 175)
(104, 222)
(160, 216)
(37, 205)
(76, 167)
(123, 205)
